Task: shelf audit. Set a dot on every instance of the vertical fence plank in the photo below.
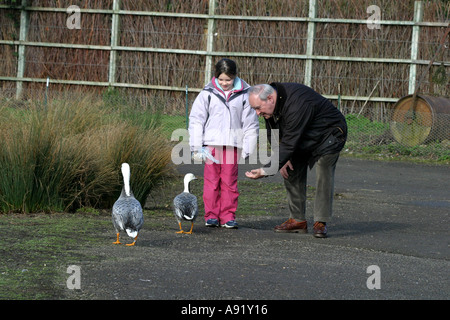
(418, 15)
(114, 43)
(23, 33)
(210, 40)
(310, 41)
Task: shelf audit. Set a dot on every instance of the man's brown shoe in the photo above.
(320, 229)
(292, 225)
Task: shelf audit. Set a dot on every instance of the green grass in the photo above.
(37, 249)
(362, 129)
(433, 152)
(171, 123)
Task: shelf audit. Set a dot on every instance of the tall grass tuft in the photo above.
(67, 154)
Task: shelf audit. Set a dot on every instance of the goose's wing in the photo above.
(127, 214)
(186, 206)
(136, 215)
(194, 208)
(119, 215)
(178, 205)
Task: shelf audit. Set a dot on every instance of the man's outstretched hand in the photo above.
(255, 173)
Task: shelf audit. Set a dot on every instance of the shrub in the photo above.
(67, 155)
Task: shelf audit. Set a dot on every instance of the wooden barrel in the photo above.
(428, 119)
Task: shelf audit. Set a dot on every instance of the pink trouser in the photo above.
(220, 192)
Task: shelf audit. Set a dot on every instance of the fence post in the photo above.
(187, 108)
(418, 15)
(310, 42)
(114, 43)
(210, 40)
(23, 33)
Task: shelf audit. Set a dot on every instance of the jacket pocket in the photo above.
(333, 143)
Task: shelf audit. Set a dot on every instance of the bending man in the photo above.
(311, 131)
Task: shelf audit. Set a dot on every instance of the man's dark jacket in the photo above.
(310, 126)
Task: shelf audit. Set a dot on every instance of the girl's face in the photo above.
(225, 81)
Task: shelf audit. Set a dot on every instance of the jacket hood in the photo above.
(238, 85)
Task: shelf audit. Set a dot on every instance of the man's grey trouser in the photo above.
(296, 188)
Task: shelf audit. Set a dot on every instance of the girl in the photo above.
(222, 120)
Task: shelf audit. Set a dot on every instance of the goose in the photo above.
(185, 205)
(127, 212)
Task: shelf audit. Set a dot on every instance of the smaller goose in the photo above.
(127, 212)
(185, 205)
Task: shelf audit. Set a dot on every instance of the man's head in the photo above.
(263, 98)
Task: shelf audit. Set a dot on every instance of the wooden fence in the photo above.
(209, 52)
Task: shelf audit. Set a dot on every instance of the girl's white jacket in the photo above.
(218, 121)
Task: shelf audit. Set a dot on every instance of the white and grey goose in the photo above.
(127, 212)
(185, 205)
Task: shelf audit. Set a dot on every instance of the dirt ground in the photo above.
(390, 215)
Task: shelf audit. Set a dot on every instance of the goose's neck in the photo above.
(126, 185)
(186, 186)
(126, 182)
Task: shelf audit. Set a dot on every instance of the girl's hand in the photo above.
(197, 156)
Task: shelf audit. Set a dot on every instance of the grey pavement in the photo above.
(392, 215)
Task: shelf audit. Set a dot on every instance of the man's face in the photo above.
(263, 108)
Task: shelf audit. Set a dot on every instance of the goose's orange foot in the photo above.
(117, 242)
(181, 230)
(133, 243)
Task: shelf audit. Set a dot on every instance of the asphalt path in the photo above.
(388, 240)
